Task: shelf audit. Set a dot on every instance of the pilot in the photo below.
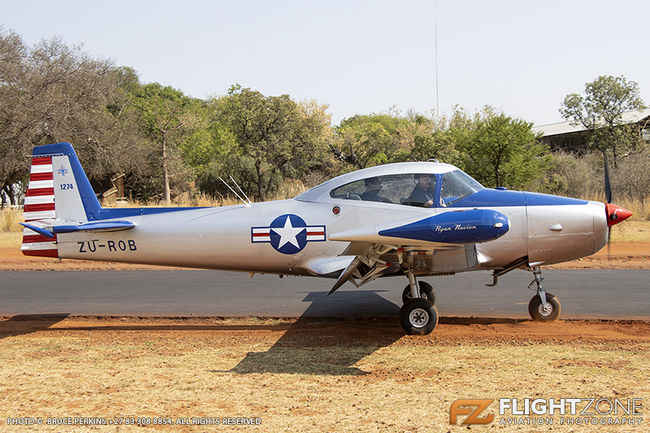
(373, 186)
(442, 200)
(422, 194)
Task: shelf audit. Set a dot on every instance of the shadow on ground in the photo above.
(310, 347)
(27, 323)
(479, 321)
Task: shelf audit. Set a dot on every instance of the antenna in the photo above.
(435, 43)
(240, 190)
(246, 203)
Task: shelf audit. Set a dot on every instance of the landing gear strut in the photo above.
(426, 292)
(543, 307)
(418, 315)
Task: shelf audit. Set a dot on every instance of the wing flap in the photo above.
(328, 266)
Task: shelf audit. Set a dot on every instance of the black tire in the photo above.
(538, 313)
(425, 290)
(418, 317)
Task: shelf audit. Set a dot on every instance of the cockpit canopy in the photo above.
(411, 184)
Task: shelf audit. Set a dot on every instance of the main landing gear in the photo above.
(426, 292)
(543, 307)
(418, 315)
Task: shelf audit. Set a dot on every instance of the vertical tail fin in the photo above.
(58, 191)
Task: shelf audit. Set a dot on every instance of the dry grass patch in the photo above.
(310, 376)
(631, 231)
(10, 219)
(11, 239)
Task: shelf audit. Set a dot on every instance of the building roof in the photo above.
(567, 127)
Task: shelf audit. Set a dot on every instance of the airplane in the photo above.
(413, 219)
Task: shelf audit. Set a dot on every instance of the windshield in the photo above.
(407, 189)
(456, 185)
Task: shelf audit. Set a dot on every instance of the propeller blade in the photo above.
(609, 242)
(608, 186)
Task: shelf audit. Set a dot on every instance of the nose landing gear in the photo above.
(543, 307)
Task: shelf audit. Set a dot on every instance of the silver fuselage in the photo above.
(320, 231)
(220, 238)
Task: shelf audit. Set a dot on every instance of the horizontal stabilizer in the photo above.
(100, 226)
(39, 230)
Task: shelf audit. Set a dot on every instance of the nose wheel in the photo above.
(544, 306)
(544, 313)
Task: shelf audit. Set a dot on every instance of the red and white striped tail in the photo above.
(39, 205)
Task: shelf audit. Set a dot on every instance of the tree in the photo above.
(436, 138)
(600, 112)
(13, 59)
(167, 117)
(54, 93)
(276, 137)
(498, 150)
(366, 140)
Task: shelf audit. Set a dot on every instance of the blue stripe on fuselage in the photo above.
(494, 198)
(110, 213)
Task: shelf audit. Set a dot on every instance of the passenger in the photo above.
(422, 194)
(373, 186)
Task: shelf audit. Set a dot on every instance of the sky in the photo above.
(360, 56)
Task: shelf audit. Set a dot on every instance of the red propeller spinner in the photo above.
(616, 214)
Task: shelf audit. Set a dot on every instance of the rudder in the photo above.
(39, 205)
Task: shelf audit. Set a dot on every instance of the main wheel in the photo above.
(418, 317)
(426, 291)
(541, 314)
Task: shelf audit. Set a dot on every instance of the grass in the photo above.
(9, 219)
(10, 239)
(299, 384)
(640, 208)
(200, 200)
(631, 231)
(289, 189)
